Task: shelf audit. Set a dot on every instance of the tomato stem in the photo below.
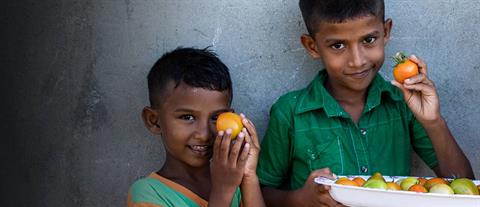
(399, 57)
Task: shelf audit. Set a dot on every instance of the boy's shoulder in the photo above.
(150, 190)
(146, 186)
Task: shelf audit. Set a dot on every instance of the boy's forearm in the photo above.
(251, 192)
(276, 197)
(452, 162)
(221, 197)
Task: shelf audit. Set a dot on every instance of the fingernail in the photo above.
(242, 115)
(244, 121)
(334, 175)
(246, 145)
(413, 56)
(407, 80)
(241, 135)
(228, 131)
(220, 133)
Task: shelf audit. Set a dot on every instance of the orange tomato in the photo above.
(348, 182)
(422, 181)
(404, 68)
(418, 188)
(229, 120)
(393, 186)
(359, 180)
(433, 181)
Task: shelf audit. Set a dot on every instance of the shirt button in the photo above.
(364, 169)
(363, 131)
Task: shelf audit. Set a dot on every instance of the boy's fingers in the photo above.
(324, 172)
(217, 143)
(323, 188)
(251, 130)
(235, 151)
(225, 146)
(242, 159)
(422, 66)
(424, 88)
(400, 86)
(420, 78)
(248, 139)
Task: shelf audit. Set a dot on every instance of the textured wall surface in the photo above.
(74, 81)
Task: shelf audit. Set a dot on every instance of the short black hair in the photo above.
(200, 68)
(337, 11)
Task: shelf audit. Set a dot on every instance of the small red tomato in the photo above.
(404, 68)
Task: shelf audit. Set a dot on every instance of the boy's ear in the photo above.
(387, 27)
(309, 44)
(150, 119)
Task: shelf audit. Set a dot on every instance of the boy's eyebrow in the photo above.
(374, 33)
(332, 40)
(190, 110)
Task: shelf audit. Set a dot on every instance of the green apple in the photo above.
(377, 176)
(441, 188)
(375, 183)
(464, 186)
(408, 182)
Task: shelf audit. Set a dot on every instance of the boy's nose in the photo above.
(357, 58)
(203, 132)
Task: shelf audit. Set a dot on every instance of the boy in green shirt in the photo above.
(349, 120)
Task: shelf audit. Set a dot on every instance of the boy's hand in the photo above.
(252, 139)
(420, 94)
(228, 162)
(313, 194)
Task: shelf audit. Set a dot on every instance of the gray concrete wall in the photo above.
(74, 81)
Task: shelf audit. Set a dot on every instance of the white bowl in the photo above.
(368, 197)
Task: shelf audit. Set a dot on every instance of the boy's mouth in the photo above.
(200, 149)
(361, 74)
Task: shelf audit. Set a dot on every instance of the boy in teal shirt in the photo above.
(188, 89)
(349, 120)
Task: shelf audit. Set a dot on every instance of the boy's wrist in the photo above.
(295, 197)
(221, 194)
(250, 180)
(435, 123)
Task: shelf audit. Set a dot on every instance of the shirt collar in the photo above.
(315, 96)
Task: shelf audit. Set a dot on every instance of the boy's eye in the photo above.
(214, 117)
(369, 40)
(187, 117)
(338, 46)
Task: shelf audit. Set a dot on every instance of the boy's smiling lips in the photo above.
(361, 74)
(201, 150)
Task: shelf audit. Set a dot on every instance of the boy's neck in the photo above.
(182, 173)
(351, 101)
(345, 96)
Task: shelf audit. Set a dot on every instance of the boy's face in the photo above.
(186, 122)
(352, 51)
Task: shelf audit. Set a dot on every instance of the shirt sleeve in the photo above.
(274, 159)
(422, 144)
(143, 194)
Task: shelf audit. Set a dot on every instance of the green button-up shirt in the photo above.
(309, 130)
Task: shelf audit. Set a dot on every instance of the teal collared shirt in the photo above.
(309, 130)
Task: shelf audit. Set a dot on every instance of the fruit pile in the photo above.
(463, 186)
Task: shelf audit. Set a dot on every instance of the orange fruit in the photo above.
(346, 181)
(404, 68)
(418, 188)
(230, 120)
(393, 186)
(433, 181)
(422, 181)
(359, 180)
